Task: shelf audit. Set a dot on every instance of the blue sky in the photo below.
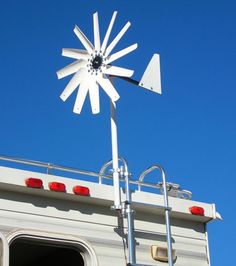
(190, 129)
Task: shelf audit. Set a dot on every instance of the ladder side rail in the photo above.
(167, 210)
(130, 218)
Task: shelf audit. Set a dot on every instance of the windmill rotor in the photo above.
(92, 68)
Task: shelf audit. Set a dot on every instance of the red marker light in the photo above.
(196, 210)
(82, 191)
(34, 182)
(56, 186)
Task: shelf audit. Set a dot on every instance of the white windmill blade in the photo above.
(92, 66)
(106, 38)
(80, 98)
(117, 38)
(118, 71)
(107, 86)
(151, 78)
(94, 97)
(73, 84)
(121, 53)
(75, 53)
(71, 69)
(97, 43)
(86, 43)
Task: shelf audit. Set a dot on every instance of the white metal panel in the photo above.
(101, 237)
(151, 78)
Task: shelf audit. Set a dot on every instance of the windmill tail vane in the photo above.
(92, 67)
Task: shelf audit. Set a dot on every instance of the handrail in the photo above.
(101, 175)
(50, 166)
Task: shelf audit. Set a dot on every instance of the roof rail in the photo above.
(172, 189)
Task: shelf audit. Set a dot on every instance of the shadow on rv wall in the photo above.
(43, 205)
(176, 224)
(152, 236)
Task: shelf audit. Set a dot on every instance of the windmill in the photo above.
(94, 68)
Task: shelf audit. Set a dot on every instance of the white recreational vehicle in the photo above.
(49, 219)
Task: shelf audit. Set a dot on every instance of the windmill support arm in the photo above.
(135, 82)
(151, 79)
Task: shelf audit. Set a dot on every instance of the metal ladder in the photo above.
(127, 205)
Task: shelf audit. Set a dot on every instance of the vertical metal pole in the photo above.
(114, 142)
(126, 208)
(130, 221)
(167, 216)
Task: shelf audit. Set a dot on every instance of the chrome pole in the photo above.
(129, 213)
(124, 172)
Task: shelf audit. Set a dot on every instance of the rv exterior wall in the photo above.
(89, 222)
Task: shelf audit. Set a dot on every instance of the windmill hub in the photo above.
(97, 62)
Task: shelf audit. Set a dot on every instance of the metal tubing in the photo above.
(130, 221)
(128, 210)
(114, 142)
(49, 166)
(101, 175)
(167, 215)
